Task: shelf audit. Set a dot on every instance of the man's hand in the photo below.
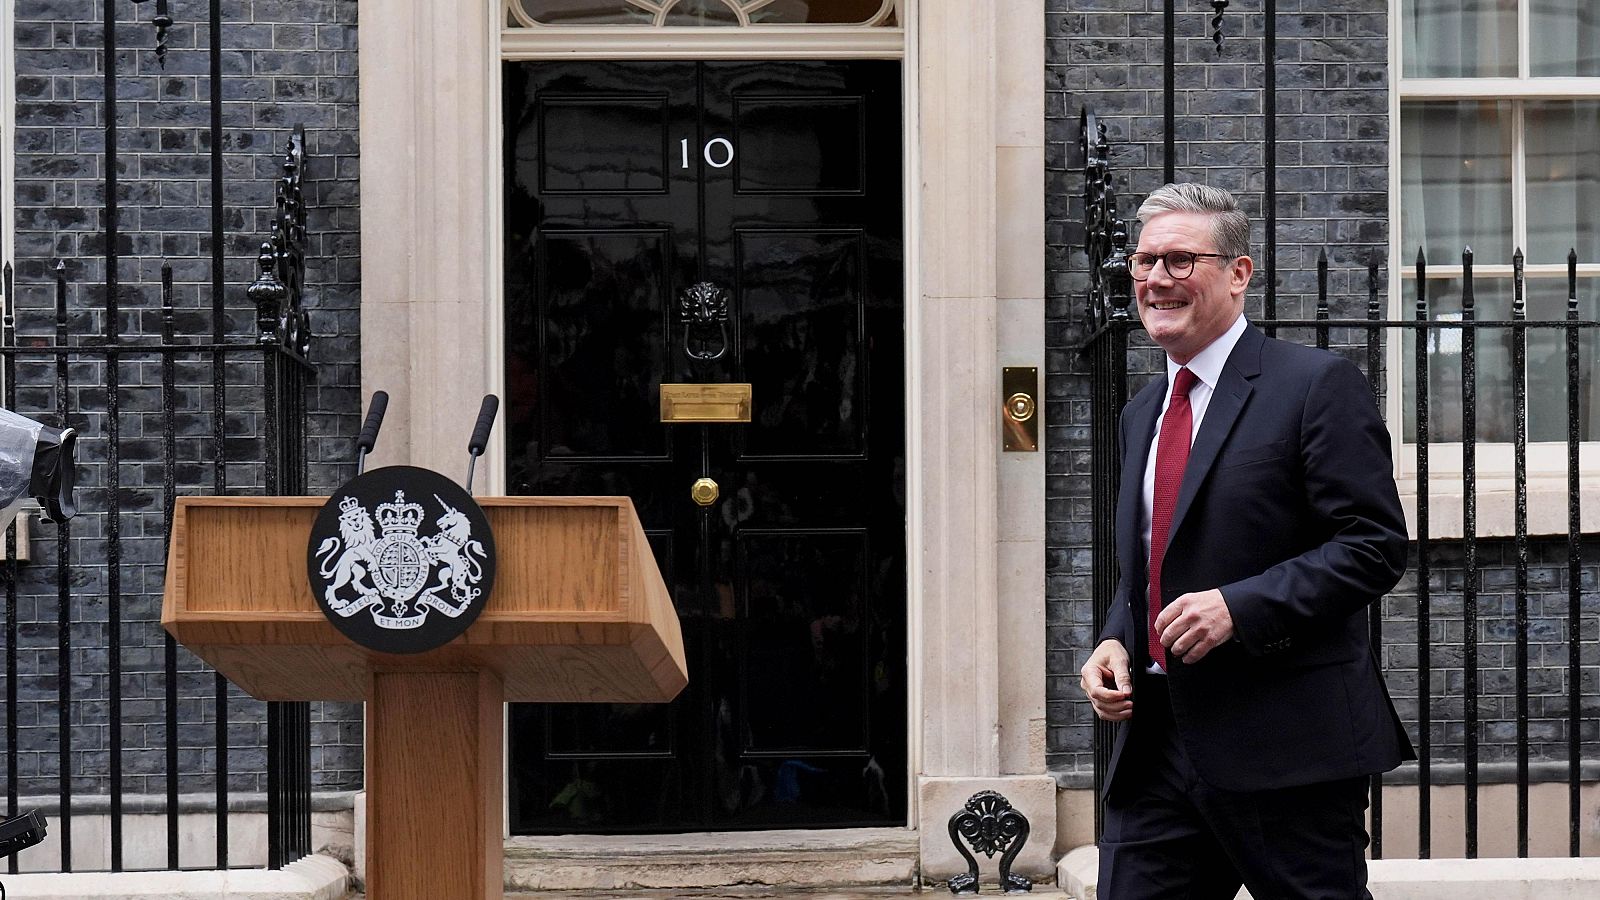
(1107, 682)
(1192, 625)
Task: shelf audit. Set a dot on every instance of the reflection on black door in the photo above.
(780, 183)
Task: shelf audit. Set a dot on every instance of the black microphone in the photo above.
(369, 431)
(480, 434)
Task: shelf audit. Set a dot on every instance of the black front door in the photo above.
(778, 183)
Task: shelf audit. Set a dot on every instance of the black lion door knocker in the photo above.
(703, 313)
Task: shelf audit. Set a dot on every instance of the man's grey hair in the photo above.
(1230, 227)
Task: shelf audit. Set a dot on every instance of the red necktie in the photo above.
(1172, 453)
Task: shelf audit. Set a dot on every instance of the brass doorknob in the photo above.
(1019, 407)
(704, 491)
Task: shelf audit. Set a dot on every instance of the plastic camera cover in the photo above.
(19, 435)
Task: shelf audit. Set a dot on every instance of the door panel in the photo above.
(805, 656)
(597, 144)
(780, 184)
(604, 309)
(588, 731)
(800, 144)
(801, 301)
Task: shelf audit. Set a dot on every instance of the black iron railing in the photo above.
(86, 380)
(1110, 298)
(218, 412)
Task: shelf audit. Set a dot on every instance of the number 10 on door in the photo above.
(718, 152)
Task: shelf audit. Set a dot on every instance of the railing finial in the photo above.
(163, 22)
(1373, 307)
(10, 304)
(61, 301)
(1322, 284)
(1572, 283)
(277, 291)
(1105, 233)
(168, 319)
(1216, 23)
(1519, 303)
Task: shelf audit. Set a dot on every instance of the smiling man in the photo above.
(1258, 520)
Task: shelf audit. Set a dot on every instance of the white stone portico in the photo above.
(974, 164)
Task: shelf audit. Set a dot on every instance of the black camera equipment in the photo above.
(54, 470)
(38, 462)
(21, 833)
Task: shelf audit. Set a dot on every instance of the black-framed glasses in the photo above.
(1180, 263)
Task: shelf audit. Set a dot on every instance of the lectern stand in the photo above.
(579, 612)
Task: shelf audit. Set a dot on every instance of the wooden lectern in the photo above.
(578, 612)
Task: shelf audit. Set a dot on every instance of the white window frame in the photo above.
(1547, 461)
(535, 41)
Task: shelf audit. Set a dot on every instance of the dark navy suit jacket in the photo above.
(1288, 505)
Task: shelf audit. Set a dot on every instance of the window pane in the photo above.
(704, 12)
(1492, 300)
(837, 12)
(587, 12)
(1455, 180)
(1547, 362)
(701, 12)
(1567, 33)
(1563, 150)
(1460, 38)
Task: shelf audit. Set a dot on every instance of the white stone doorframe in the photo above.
(974, 164)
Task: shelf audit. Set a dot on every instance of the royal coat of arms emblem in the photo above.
(384, 576)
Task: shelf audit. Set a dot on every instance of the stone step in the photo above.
(773, 894)
(749, 861)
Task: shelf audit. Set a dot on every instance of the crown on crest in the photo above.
(349, 504)
(400, 515)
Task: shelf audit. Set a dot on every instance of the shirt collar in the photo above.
(1207, 364)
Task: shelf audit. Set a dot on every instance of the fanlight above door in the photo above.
(681, 13)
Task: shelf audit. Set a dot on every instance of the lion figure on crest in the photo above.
(357, 534)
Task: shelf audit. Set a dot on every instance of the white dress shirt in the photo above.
(1207, 367)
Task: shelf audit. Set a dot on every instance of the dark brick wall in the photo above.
(1332, 182)
(1548, 634)
(283, 63)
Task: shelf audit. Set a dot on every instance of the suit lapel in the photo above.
(1130, 500)
(1227, 401)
